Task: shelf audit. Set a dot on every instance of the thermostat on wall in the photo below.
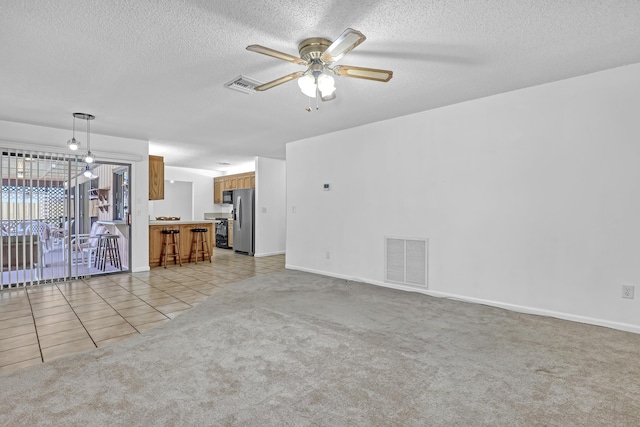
(326, 187)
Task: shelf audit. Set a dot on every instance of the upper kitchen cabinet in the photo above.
(156, 178)
(232, 182)
(244, 180)
(218, 188)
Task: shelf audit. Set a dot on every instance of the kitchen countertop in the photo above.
(182, 222)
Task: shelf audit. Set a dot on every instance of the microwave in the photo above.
(227, 197)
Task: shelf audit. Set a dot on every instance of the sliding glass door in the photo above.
(60, 219)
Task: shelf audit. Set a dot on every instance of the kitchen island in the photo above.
(186, 236)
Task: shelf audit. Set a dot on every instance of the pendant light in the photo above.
(73, 143)
(88, 157)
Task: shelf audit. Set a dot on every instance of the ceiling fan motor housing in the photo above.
(313, 48)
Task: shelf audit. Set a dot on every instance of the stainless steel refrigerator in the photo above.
(243, 220)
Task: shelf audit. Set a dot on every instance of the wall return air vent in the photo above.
(406, 261)
(243, 84)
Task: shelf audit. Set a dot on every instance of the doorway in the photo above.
(57, 216)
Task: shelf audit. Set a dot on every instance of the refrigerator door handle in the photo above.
(239, 212)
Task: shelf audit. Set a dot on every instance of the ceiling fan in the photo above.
(317, 54)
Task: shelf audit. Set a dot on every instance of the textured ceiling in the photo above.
(156, 69)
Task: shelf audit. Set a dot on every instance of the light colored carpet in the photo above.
(296, 349)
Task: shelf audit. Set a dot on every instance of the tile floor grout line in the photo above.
(182, 301)
(76, 314)
(22, 361)
(116, 310)
(113, 308)
(171, 297)
(35, 327)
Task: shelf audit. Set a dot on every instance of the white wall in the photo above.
(530, 199)
(202, 188)
(177, 202)
(241, 168)
(271, 208)
(122, 150)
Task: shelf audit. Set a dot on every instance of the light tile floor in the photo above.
(42, 323)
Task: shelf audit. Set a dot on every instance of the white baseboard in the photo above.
(628, 327)
(268, 254)
(141, 269)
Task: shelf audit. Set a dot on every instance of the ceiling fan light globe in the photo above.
(328, 94)
(307, 85)
(326, 83)
(327, 91)
(311, 93)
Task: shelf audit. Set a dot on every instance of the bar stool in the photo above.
(107, 248)
(198, 241)
(171, 239)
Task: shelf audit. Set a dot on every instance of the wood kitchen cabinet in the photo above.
(227, 183)
(155, 244)
(244, 181)
(218, 188)
(247, 180)
(184, 238)
(156, 178)
(232, 182)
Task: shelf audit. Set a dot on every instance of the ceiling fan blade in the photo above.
(344, 44)
(279, 81)
(276, 54)
(363, 73)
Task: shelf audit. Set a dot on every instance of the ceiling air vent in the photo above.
(243, 84)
